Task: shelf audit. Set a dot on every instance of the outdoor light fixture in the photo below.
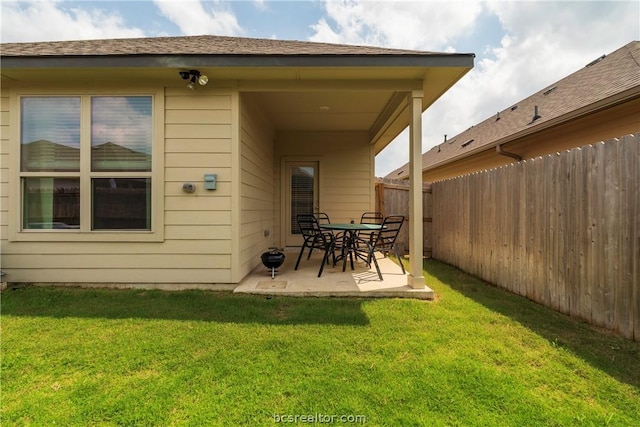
(194, 76)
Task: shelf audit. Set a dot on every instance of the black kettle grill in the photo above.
(272, 260)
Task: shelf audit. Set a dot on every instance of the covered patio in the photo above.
(362, 282)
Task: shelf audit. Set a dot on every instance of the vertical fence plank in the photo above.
(549, 231)
(599, 239)
(538, 282)
(633, 197)
(521, 195)
(562, 248)
(586, 235)
(574, 224)
(623, 307)
(612, 233)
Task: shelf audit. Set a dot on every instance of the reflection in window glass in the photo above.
(113, 135)
(51, 203)
(121, 203)
(121, 133)
(49, 134)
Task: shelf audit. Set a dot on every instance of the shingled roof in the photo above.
(587, 89)
(194, 45)
(215, 51)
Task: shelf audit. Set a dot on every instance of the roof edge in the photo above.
(245, 60)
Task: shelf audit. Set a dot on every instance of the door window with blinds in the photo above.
(302, 193)
(301, 196)
(86, 162)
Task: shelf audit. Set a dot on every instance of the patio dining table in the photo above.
(350, 237)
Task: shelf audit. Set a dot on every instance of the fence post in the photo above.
(427, 203)
(380, 196)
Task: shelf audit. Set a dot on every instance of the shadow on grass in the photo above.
(184, 305)
(610, 353)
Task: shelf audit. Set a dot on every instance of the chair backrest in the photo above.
(386, 237)
(308, 225)
(322, 218)
(371, 218)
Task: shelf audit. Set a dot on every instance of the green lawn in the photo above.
(476, 356)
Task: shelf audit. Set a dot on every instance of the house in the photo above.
(598, 102)
(179, 160)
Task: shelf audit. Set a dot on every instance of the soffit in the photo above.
(327, 110)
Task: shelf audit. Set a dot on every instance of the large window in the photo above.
(86, 162)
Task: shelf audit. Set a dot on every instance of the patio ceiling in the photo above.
(370, 99)
(328, 111)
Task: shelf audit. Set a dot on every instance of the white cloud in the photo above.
(130, 128)
(24, 21)
(541, 43)
(396, 23)
(432, 25)
(195, 17)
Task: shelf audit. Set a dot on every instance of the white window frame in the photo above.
(85, 233)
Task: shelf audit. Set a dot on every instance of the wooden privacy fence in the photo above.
(392, 197)
(562, 230)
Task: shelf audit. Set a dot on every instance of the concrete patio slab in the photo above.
(360, 282)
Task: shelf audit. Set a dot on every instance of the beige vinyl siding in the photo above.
(4, 170)
(197, 227)
(346, 176)
(198, 141)
(257, 203)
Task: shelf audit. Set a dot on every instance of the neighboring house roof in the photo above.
(607, 80)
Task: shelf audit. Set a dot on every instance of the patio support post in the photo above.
(415, 279)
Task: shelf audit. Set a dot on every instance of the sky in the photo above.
(520, 46)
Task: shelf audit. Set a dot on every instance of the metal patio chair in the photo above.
(383, 241)
(315, 238)
(370, 218)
